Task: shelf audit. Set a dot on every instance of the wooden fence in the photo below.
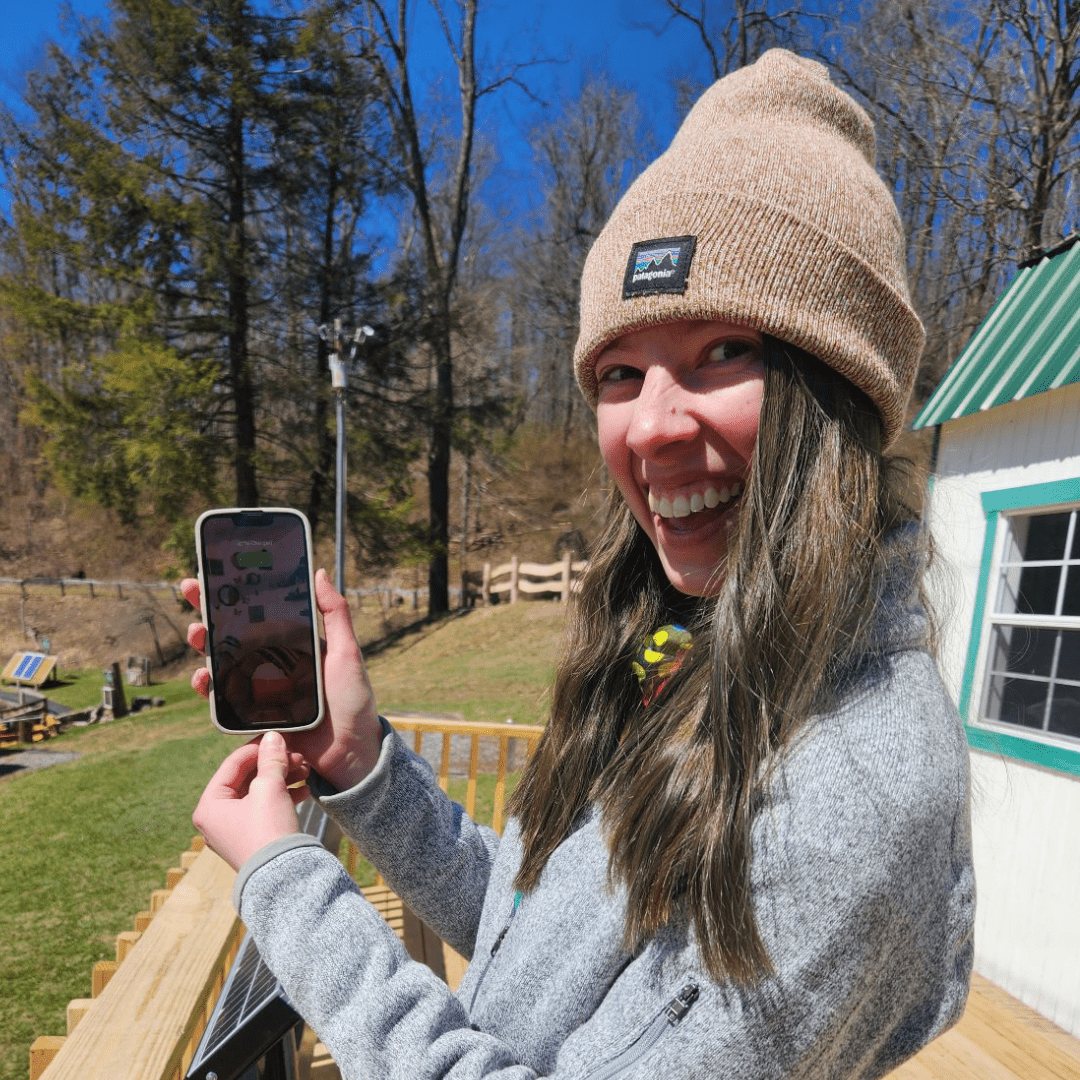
(149, 1007)
(513, 578)
(516, 577)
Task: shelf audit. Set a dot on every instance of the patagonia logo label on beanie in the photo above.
(658, 266)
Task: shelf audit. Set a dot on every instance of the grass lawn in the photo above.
(85, 842)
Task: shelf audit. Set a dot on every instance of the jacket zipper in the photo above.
(670, 1016)
(502, 933)
(495, 948)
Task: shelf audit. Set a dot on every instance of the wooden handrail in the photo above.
(146, 1022)
(474, 730)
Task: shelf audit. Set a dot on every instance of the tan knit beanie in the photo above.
(765, 211)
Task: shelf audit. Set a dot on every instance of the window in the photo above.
(1033, 660)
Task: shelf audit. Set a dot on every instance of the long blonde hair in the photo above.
(826, 522)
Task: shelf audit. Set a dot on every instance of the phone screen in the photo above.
(258, 604)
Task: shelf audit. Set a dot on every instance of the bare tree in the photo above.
(586, 155)
(978, 121)
(440, 204)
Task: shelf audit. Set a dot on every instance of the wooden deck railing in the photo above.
(150, 1006)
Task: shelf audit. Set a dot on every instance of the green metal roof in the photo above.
(1030, 342)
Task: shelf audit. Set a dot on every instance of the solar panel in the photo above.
(253, 1014)
(28, 665)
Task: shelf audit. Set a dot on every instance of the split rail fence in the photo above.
(149, 1007)
(512, 578)
(517, 577)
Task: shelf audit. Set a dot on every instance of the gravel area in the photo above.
(17, 761)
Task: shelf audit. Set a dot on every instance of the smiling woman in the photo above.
(742, 845)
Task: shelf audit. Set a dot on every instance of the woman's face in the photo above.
(677, 417)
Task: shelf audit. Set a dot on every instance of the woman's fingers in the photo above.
(189, 587)
(248, 803)
(337, 620)
(200, 682)
(235, 773)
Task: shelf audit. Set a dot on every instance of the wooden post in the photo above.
(567, 559)
(485, 585)
(62, 593)
(513, 579)
(125, 942)
(91, 586)
(43, 1049)
(103, 971)
(77, 1008)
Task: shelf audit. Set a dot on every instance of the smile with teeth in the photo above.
(685, 505)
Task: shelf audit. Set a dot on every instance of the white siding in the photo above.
(1026, 820)
(1025, 825)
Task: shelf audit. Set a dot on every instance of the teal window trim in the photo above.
(1021, 748)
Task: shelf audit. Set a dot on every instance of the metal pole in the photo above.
(339, 380)
(339, 531)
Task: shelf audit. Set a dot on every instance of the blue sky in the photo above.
(577, 34)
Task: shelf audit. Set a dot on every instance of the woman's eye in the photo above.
(617, 373)
(735, 349)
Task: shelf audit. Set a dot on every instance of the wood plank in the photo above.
(500, 786)
(975, 1060)
(125, 942)
(1005, 1005)
(444, 762)
(474, 765)
(497, 729)
(144, 1019)
(941, 1063)
(997, 1038)
(1025, 1053)
(913, 1069)
(102, 972)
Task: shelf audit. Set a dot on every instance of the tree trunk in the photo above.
(247, 491)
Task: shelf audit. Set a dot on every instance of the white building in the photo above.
(1005, 508)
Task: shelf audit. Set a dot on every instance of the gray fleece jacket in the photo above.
(862, 885)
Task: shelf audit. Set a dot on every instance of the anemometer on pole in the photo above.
(339, 377)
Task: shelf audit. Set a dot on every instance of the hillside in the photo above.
(530, 499)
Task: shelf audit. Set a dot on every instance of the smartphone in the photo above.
(258, 606)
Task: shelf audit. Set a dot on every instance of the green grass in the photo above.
(82, 689)
(85, 843)
(491, 664)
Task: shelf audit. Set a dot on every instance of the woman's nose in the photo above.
(663, 415)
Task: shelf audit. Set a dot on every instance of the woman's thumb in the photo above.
(273, 758)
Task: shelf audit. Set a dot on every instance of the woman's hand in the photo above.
(345, 746)
(248, 802)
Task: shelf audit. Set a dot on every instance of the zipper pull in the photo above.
(679, 1005)
(499, 939)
